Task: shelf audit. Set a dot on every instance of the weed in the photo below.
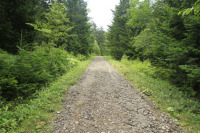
(168, 97)
(35, 114)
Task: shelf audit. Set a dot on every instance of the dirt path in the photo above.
(104, 102)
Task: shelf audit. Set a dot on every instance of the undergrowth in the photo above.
(150, 80)
(25, 73)
(34, 115)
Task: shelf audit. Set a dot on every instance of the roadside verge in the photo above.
(35, 116)
(169, 98)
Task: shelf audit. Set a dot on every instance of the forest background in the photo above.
(41, 40)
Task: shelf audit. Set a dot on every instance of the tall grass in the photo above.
(168, 97)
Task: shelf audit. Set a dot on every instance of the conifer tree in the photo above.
(80, 41)
(14, 14)
(100, 37)
(96, 49)
(118, 35)
(55, 27)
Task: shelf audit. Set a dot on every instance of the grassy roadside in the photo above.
(36, 114)
(166, 96)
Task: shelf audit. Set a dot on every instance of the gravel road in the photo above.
(105, 102)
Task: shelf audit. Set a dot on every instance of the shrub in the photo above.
(26, 72)
(193, 75)
(34, 115)
(147, 68)
(8, 82)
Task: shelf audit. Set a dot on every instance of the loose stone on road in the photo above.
(105, 102)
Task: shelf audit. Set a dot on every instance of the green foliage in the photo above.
(195, 9)
(34, 66)
(34, 115)
(96, 49)
(118, 37)
(27, 95)
(169, 98)
(100, 37)
(79, 42)
(7, 80)
(140, 15)
(147, 68)
(55, 28)
(193, 74)
(157, 32)
(23, 74)
(14, 15)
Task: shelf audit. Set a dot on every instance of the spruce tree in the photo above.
(79, 42)
(14, 15)
(118, 35)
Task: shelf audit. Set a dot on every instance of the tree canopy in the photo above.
(38, 39)
(165, 32)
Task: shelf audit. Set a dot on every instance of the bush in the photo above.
(193, 76)
(26, 72)
(147, 68)
(34, 115)
(8, 82)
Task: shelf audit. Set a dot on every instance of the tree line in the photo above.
(42, 40)
(165, 32)
(64, 23)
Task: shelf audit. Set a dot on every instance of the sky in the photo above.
(100, 11)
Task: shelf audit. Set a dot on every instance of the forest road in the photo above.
(103, 101)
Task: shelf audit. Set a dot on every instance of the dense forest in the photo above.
(36, 36)
(165, 32)
(38, 39)
(41, 40)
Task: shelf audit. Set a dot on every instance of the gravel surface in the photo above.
(105, 102)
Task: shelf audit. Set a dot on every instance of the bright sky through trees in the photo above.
(100, 11)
